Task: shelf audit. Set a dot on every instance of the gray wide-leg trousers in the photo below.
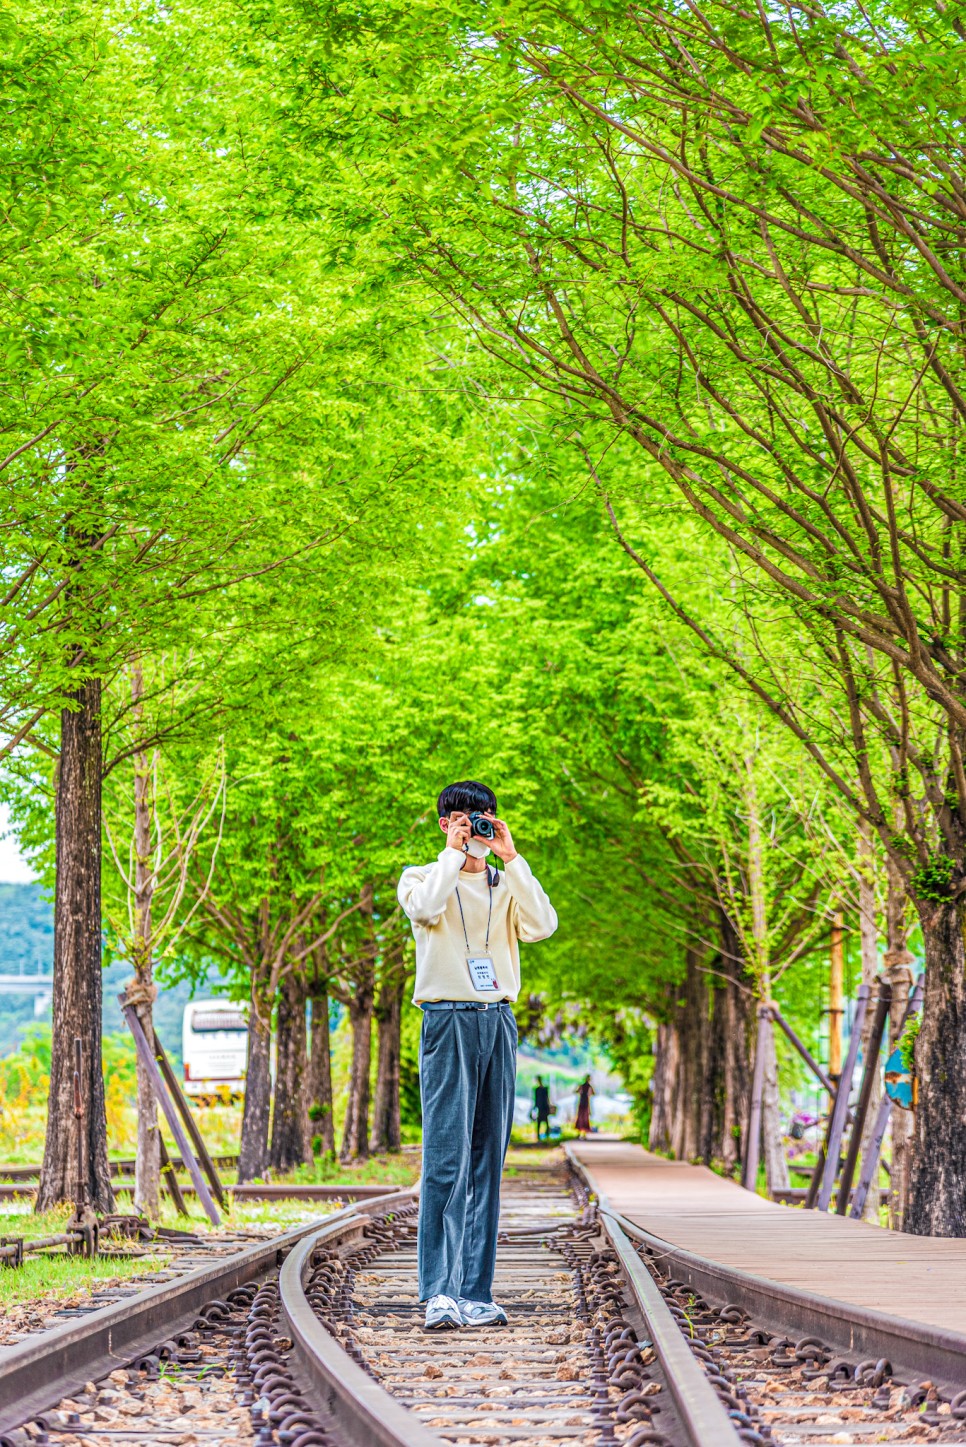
(467, 1073)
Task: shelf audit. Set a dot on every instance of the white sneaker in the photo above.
(442, 1314)
(481, 1313)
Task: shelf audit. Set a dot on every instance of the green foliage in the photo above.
(933, 881)
(907, 1042)
(403, 393)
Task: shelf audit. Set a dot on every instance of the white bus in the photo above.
(214, 1047)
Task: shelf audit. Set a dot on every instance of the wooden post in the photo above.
(840, 1109)
(870, 1070)
(803, 1051)
(870, 1161)
(169, 1176)
(191, 1125)
(749, 1172)
(836, 1010)
(170, 1113)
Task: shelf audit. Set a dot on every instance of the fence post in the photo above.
(870, 1070)
(171, 1115)
(840, 1109)
(749, 1172)
(870, 1161)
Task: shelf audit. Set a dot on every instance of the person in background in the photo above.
(541, 1106)
(584, 1091)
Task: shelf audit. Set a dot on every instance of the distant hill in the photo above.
(26, 930)
(27, 946)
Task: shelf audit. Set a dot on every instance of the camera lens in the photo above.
(483, 827)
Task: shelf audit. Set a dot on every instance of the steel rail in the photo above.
(366, 1413)
(700, 1411)
(39, 1372)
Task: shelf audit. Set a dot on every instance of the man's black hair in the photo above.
(467, 798)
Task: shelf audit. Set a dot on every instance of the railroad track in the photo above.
(315, 1340)
(124, 1167)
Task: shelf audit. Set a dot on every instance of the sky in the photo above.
(14, 869)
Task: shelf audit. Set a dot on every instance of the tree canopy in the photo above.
(565, 395)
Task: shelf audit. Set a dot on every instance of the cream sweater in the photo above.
(521, 911)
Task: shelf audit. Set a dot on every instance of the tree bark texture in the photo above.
(291, 1136)
(355, 1136)
(662, 1087)
(773, 1150)
(702, 1069)
(734, 1009)
(694, 1091)
(386, 1126)
(77, 962)
(937, 1185)
(320, 1075)
(253, 1156)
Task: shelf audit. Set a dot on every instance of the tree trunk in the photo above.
(937, 1185)
(386, 1127)
(702, 1070)
(869, 936)
(320, 1075)
(897, 963)
(776, 1166)
(355, 1137)
(291, 1137)
(253, 1157)
(689, 1093)
(711, 1086)
(147, 1162)
(77, 962)
(734, 1005)
(662, 1083)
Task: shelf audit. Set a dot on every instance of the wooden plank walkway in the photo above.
(917, 1277)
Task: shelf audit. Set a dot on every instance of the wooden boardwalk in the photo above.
(916, 1277)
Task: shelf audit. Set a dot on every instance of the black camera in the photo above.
(482, 827)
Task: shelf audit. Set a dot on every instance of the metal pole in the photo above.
(171, 1115)
(870, 1160)
(803, 1051)
(840, 1109)
(870, 1070)
(749, 1173)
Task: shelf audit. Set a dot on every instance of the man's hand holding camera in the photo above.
(502, 842)
(458, 831)
(460, 828)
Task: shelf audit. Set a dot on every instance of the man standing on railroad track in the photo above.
(468, 919)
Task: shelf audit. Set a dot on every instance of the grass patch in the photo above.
(18, 1219)
(398, 1169)
(518, 1160)
(51, 1278)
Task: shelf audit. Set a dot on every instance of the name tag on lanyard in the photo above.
(482, 972)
